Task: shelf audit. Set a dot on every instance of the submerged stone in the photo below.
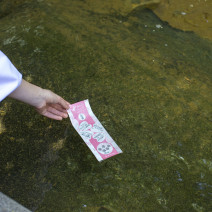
(151, 90)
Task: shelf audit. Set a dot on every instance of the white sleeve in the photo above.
(10, 78)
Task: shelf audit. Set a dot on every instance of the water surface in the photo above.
(150, 87)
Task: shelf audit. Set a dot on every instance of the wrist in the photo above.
(37, 97)
(30, 94)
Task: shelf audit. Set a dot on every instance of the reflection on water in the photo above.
(149, 85)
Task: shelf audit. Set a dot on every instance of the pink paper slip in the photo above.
(91, 131)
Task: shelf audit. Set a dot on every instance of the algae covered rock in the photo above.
(8, 6)
(190, 15)
(121, 6)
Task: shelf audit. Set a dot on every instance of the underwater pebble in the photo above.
(179, 177)
(11, 29)
(153, 30)
(21, 42)
(9, 40)
(158, 26)
(179, 143)
(36, 50)
(145, 25)
(202, 175)
(165, 44)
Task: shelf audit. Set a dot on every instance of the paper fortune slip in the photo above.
(91, 131)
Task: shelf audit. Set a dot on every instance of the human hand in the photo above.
(45, 101)
(52, 106)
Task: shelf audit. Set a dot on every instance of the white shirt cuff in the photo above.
(10, 78)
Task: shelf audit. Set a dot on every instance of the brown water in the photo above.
(150, 87)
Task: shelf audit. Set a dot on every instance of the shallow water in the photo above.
(189, 15)
(150, 87)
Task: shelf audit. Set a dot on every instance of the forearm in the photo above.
(28, 93)
(45, 101)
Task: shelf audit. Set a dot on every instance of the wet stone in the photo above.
(8, 205)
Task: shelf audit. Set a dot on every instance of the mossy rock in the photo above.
(119, 6)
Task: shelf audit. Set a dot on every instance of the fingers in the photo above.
(52, 113)
(60, 101)
(57, 112)
(63, 103)
(55, 107)
(53, 98)
(52, 116)
(59, 107)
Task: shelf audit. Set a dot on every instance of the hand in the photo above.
(46, 102)
(52, 106)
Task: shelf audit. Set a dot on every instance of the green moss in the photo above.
(154, 99)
